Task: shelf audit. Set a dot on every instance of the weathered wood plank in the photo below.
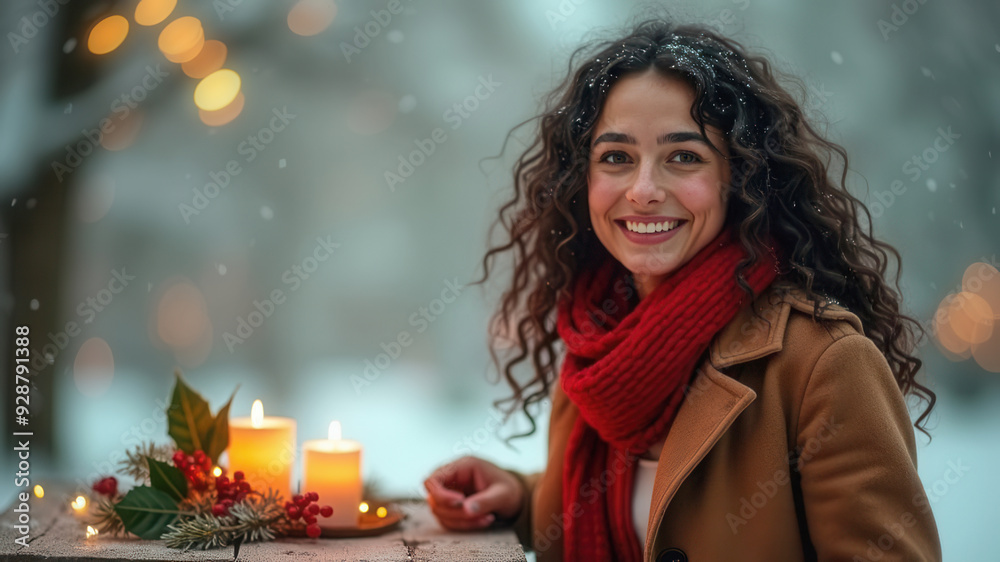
(58, 534)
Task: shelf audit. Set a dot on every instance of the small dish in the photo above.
(369, 524)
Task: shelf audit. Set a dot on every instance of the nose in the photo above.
(645, 190)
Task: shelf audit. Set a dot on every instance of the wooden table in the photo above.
(58, 534)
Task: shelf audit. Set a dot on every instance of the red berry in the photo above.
(313, 509)
(313, 530)
(297, 498)
(179, 457)
(309, 519)
(326, 511)
(219, 510)
(238, 475)
(313, 497)
(244, 486)
(107, 486)
(293, 513)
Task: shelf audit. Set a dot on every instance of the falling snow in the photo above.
(837, 57)
(931, 184)
(281, 163)
(222, 268)
(266, 213)
(34, 304)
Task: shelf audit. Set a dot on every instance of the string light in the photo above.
(363, 508)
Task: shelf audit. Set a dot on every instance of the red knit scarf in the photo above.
(625, 372)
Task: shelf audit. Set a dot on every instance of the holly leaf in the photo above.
(146, 512)
(167, 479)
(188, 418)
(217, 438)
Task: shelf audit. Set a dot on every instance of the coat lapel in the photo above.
(713, 400)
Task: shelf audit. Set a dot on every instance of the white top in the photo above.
(642, 496)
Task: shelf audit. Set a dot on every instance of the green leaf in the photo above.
(167, 479)
(218, 434)
(188, 418)
(146, 512)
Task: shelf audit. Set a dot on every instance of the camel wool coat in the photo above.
(793, 442)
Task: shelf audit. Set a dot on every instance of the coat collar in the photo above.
(748, 337)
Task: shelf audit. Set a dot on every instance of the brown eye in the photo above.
(687, 158)
(614, 158)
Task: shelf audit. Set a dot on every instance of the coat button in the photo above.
(672, 555)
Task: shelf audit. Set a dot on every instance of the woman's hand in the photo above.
(471, 493)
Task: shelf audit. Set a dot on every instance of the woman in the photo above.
(735, 360)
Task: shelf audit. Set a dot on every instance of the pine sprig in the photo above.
(134, 464)
(200, 531)
(256, 518)
(105, 518)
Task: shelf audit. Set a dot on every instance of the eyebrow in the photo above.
(676, 137)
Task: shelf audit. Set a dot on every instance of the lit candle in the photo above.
(263, 448)
(333, 470)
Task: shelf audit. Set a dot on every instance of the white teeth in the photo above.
(651, 227)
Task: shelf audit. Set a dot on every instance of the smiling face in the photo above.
(656, 189)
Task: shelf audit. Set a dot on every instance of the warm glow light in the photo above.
(257, 414)
(79, 504)
(310, 17)
(39, 491)
(363, 508)
(334, 433)
(152, 12)
(211, 58)
(182, 39)
(217, 90)
(181, 315)
(224, 115)
(381, 512)
(107, 35)
(94, 367)
(91, 532)
(217, 471)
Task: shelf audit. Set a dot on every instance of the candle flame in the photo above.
(363, 508)
(335, 432)
(257, 414)
(39, 491)
(91, 532)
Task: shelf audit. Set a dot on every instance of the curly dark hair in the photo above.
(783, 184)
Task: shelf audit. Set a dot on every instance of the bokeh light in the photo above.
(971, 317)
(372, 112)
(217, 90)
(152, 12)
(211, 58)
(984, 280)
(94, 367)
(94, 197)
(225, 115)
(122, 131)
(311, 17)
(182, 39)
(181, 315)
(107, 35)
